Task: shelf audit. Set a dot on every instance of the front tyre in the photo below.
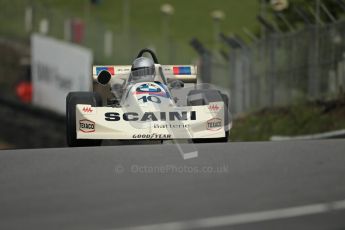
(204, 97)
(72, 99)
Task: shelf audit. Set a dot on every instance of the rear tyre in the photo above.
(72, 99)
(205, 96)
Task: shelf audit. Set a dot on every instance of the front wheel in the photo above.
(205, 97)
(72, 99)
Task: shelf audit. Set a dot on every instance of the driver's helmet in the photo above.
(143, 70)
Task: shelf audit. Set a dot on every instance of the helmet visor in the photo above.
(143, 71)
(143, 74)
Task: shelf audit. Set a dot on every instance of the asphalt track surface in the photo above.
(263, 185)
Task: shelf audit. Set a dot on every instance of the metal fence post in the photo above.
(232, 72)
(108, 43)
(238, 82)
(206, 67)
(313, 76)
(246, 77)
(271, 42)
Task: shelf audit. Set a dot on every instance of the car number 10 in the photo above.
(153, 99)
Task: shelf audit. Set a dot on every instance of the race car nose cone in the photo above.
(104, 77)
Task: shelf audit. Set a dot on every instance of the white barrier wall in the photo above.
(58, 68)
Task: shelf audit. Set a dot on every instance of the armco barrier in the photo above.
(326, 135)
(26, 126)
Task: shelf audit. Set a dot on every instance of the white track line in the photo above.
(245, 218)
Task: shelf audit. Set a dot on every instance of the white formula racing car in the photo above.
(149, 101)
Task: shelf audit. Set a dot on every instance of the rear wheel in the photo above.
(72, 99)
(204, 97)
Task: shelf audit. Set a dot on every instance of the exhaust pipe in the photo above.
(103, 77)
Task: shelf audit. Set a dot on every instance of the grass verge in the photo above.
(302, 119)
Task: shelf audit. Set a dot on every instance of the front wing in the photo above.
(174, 123)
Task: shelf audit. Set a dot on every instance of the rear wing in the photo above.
(117, 71)
(185, 73)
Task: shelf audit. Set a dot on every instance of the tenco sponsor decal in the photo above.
(214, 124)
(150, 116)
(86, 126)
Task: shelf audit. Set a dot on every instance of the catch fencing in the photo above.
(282, 69)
